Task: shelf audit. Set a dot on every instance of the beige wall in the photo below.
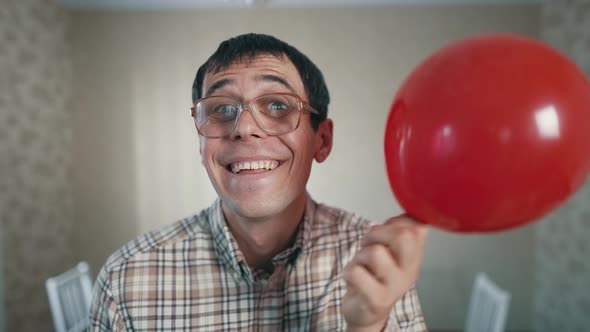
(136, 151)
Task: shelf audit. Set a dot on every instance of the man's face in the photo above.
(262, 192)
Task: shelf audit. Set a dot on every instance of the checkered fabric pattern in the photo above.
(191, 276)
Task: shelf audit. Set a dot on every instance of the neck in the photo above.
(260, 239)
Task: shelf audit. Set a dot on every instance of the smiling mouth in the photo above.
(256, 166)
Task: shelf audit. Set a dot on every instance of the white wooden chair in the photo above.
(69, 298)
(488, 306)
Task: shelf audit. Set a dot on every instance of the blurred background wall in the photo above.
(36, 156)
(562, 264)
(101, 148)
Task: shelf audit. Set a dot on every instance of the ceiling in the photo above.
(181, 4)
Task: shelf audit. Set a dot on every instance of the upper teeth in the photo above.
(266, 164)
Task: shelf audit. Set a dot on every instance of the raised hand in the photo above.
(386, 267)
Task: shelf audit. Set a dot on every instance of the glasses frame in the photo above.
(243, 106)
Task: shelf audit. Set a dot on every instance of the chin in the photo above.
(255, 207)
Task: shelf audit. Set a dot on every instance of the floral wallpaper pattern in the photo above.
(35, 139)
(562, 285)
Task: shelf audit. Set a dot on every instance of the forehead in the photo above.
(251, 68)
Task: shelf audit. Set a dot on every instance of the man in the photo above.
(264, 256)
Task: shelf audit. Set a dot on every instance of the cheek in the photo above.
(202, 142)
(206, 149)
(302, 149)
(203, 152)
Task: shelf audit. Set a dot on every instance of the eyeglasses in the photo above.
(274, 113)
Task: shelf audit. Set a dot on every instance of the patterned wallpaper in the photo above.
(35, 140)
(562, 285)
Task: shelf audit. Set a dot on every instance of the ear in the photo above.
(323, 140)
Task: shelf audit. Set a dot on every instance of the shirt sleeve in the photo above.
(104, 315)
(406, 315)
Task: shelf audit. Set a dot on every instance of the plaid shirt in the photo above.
(191, 276)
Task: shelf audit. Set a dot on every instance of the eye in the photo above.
(277, 106)
(223, 112)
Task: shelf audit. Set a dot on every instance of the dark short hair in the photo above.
(247, 46)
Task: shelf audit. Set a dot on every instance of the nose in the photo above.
(247, 127)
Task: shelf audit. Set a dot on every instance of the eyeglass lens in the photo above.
(274, 113)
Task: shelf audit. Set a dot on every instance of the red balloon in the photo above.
(489, 133)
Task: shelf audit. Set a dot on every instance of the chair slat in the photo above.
(488, 306)
(69, 297)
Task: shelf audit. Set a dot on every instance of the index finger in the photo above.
(405, 239)
(380, 234)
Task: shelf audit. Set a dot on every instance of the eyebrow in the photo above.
(218, 85)
(275, 79)
(258, 78)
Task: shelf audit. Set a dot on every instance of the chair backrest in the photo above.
(69, 298)
(488, 306)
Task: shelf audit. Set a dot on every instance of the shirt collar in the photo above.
(226, 247)
(304, 238)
